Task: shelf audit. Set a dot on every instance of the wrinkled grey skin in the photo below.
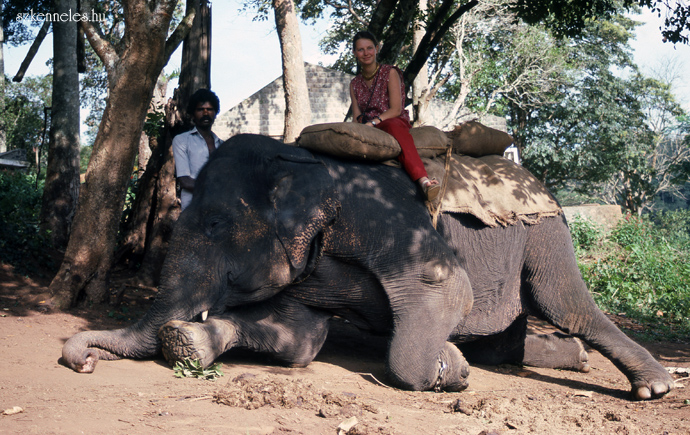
(278, 240)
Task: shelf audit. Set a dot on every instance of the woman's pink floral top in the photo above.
(380, 101)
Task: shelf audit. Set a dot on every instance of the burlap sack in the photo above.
(430, 141)
(356, 141)
(476, 140)
(349, 140)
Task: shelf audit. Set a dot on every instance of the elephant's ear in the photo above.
(305, 202)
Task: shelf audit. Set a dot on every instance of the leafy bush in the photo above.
(633, 231)
(644, 271)
(674, 225)
(584, 233)
(21, 242)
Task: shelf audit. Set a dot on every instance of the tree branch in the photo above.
(105, 51)
(380, 17)
(395, 34)
(436, 30)
(32, 52)
(181, 32)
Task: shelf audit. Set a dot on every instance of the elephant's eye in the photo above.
(212, 225)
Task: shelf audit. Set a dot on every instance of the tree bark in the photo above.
(420, 85)
(156, 208)
(167, 208)
(520, 121)
(195, 71)
(395, 36)
(3, 139)
(133, 67)
(136, 226)
(62, 174)
(436, 30)
(297, 106)
(379, 19)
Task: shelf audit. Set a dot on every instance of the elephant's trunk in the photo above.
(83, 350)
(140, 340)
(185, 293)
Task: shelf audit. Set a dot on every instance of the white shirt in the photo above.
(191, 154)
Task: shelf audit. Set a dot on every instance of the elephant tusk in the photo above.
(204, 316)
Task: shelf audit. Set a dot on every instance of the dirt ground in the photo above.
(339, 393)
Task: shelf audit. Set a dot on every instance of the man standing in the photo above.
(192, 149)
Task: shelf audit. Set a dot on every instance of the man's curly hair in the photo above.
(203, 96)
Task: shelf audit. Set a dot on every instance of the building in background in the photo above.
(329, 95)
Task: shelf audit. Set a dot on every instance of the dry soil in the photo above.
(339, 393)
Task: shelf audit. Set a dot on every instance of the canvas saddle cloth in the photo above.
(492, 188)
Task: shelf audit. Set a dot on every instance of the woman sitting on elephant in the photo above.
(378, 99)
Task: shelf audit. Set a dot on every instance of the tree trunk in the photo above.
(62, 174)
(135, 228)
(297, 106)
(32, 51)
(395, 35)
(520, 122)
(167, 207)
(195, 71)
(156, 208)
(133, 67)
(420, 85)
(3, 139)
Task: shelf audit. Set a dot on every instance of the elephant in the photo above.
(278, 240)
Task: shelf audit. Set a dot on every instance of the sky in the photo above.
(246, 53)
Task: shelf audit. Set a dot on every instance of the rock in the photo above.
(345, 426)
(13, 410)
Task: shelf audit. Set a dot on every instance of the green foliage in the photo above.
(643, 271)
(21, 243)
(84, 157)
(24, 115)
(569, 197)
(585, 234)
(674, 226)
(632, 231)
(191, 368)
(154, 123)
(611, 133)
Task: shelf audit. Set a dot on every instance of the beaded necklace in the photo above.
(367, 78)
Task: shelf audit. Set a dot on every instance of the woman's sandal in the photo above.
(431, 189)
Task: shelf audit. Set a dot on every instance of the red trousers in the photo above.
(409, 157)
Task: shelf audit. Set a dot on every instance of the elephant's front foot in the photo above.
(196, 341)
(555, 351)
(653, 382)
(453, 370)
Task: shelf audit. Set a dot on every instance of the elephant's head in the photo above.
(254, 226)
